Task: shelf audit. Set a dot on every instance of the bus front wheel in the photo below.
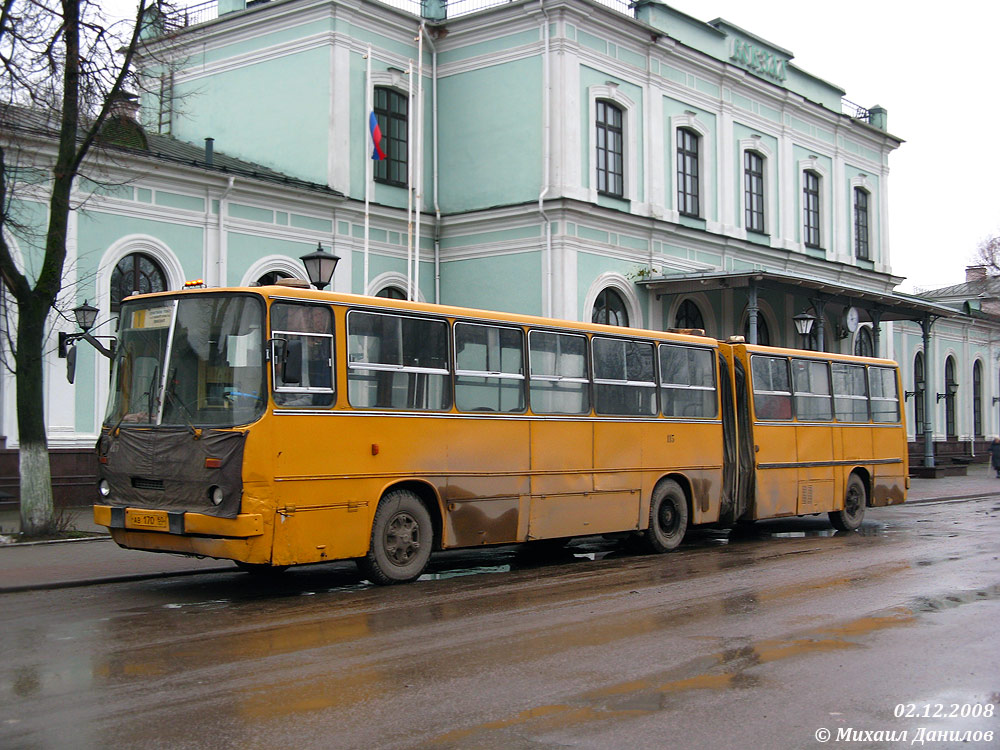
(855, 499)
(668, 517)
(402, 536)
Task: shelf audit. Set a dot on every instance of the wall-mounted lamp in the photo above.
(996, 399)
(950, 390)
(907, 394)
(86, 316)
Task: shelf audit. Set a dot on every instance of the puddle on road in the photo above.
(730, 668)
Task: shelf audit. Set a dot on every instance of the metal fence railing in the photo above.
(176, 18)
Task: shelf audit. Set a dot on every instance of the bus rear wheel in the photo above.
(855, 499)
(668, 517)
(402, 536)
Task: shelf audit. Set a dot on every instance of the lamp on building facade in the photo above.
(320, 266)
(85, 316)
(804, 324)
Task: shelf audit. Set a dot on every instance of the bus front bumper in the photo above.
(245, 525)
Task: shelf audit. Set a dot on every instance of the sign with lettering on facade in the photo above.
(759, 60)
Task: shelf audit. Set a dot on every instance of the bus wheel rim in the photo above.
(402, 538)
(668, 517)
(853, 501)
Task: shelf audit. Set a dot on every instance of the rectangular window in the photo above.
(885, 396)
(753, 191)
(391, 112)
(861, 224)
(812, 390)
(489, 368)
(687, 382)
(397, 362)
(772, 390)
(610, 150)
(302, 367)
(624, 377)
(850, 392)
(559, 382)
(688, 193)
(810, 208)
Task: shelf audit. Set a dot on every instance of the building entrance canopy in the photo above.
(824, 295)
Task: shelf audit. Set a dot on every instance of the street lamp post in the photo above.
(320, 266)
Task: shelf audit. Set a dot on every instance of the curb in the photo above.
(96, 538)
(51, 585)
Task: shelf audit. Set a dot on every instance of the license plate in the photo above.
(146, 519)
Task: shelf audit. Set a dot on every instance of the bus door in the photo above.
(813, 435)
(774, 437)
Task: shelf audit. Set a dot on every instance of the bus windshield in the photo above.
(189, 361)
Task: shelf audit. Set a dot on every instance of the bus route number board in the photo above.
(146, 520)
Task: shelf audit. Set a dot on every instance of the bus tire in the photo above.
(402, 537)
(855, 499)
(668, 517)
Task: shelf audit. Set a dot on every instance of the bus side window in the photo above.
(687, 382)
(850, 392)
(772, 392)
(812, 390)
(559, 380)
(489, 368)
(884, 395)
(306, 355)
(624, 379)
(397, 362)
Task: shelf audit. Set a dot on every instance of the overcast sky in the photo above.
(934, 67)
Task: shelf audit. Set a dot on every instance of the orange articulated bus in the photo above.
(279, 426)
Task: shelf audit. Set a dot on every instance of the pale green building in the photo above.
(573, 158)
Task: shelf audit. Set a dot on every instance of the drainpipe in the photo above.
(546, 126)
(434, 130)
(223, 244)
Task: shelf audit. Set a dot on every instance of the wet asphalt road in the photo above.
(759, 641)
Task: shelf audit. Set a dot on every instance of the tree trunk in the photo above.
(37, 511)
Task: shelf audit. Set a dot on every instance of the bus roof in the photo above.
(277, 291)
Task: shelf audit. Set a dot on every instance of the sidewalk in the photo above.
(96, 559)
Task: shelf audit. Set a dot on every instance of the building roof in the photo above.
(127, 136)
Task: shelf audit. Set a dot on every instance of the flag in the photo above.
(377, 153)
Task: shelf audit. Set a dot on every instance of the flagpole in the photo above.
(368, 161)
(418, 132)
(409, 183)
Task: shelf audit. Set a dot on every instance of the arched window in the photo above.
(753, 191)
(609, 308)
(610, 150)
(137, 273)
(392, 114)
(918, 393)
(977, 399)
(864, 346)
(688, 173)
(271, 277)
(689, 316)
(763, 332)
(950, 389)
(391, 292)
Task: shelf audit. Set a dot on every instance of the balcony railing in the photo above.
(855, 111)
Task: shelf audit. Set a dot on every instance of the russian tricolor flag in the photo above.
(377, 153)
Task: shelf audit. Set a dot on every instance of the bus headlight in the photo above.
(104, 488)
(216, 495)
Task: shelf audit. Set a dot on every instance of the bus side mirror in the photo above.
(291, 363)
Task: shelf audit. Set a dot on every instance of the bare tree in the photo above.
(61, 67)
(988, 254)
